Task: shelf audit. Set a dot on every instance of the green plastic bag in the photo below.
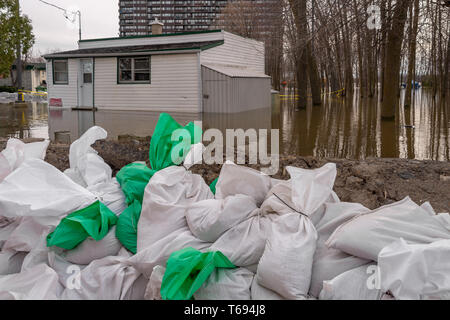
(133, 179)
(187, 270)
(162, 146)
(126, 229)
(94, 221)
(212, 186)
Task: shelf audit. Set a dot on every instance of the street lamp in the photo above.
(75, 13)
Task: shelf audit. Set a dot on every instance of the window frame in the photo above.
(55, 82)
(133, 70)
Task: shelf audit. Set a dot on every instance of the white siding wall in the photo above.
(121, 42)
(174, 85)
(68, 92)
(236, 51)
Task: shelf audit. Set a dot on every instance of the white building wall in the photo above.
(236, 51)
(174, 85)
(66, 92)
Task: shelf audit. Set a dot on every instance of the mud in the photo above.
(372, 182)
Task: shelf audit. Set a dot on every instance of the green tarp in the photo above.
(212, 186)
(162, 146)
(126, 229)
(94, 221)
(133, 179)
(187, 270)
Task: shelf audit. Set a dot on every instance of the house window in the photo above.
(134, 70)
(60, 72)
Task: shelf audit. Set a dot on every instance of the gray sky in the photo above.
(100, 19)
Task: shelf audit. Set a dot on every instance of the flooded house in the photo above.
(194, 72)
(33, 76)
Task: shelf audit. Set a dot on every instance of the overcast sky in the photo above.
(100, 19)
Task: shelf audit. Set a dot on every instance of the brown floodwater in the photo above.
(339, 128)
(23, 121)
(352, 128)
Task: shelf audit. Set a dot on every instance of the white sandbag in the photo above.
(166, 197)
(38, 254)
(137, 289)
(11, 261)
(234, 179)
(209, 219)
(352, 285)
(159, 252)
(244, 244)
(85, 164)
(279, 200)
(416, 271)
(111, 195)
(67, 271)
(153, 290)
(36, 150)
(311, 188)
(38, 283)
(7, 226)
(259, 292)
(329, 262)
(194, 156)
(367, 234)
(16, 152)
(37, 188)
(226, 284)
(285, 266)
(29, 231)
(90, 250)
(110, 278)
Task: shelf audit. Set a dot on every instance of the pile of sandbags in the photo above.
(163, 233)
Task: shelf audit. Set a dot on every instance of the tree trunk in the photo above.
(393, 59)
(412, 52)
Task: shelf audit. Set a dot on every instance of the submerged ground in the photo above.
(372, 182)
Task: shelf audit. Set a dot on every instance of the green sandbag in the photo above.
(162, 146)
(126, 229)
(212, 186)
(187, 270)
(133, 179)
(94, 221)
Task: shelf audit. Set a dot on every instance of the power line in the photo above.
(54, 5)
(65, 14)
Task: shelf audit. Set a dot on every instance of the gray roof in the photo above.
(135, 50)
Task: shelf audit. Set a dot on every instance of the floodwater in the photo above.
(339, 128)
(353, 129)
(23, 121)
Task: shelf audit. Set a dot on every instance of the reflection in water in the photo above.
(24, 120)
(343, 129)
(340, 128)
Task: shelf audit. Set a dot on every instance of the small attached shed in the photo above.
(228, 89)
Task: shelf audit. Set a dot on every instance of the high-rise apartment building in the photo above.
(177, 15)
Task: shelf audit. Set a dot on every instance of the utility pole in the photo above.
(19, 53)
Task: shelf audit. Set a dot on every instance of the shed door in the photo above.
(86, 83)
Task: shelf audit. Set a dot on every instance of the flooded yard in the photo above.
(340, 128)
